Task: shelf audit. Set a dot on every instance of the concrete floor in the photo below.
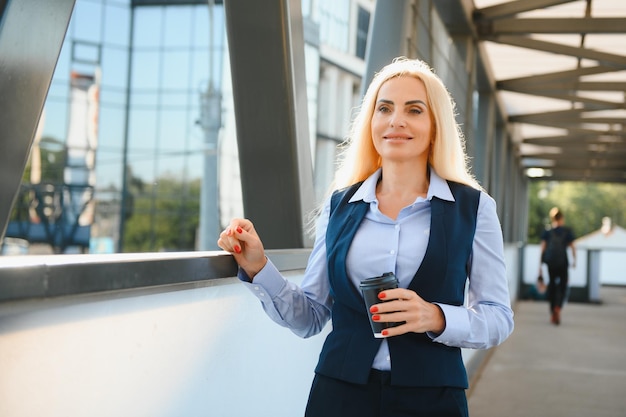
(577, 369)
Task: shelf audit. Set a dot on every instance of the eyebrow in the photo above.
(382, 100)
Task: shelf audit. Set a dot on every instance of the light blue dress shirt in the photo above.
(385, 245)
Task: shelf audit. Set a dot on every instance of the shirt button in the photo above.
(397, 226)
(392, 252)
(388, 358)
(256, 288)
(262, 294)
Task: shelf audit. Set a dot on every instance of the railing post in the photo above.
(31, 36)
(266, 45)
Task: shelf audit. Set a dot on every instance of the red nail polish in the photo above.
(376, 317)
(237, 249)
(385, 332)
(239, 229)
(382, 295)
(373, 309)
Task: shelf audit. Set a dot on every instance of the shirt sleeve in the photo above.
(486, 319)
(305, 308)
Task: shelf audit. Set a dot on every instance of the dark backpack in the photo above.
(555, 254)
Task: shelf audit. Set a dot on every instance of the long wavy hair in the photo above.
(358, 157)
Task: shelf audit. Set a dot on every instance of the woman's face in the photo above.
(401, 124)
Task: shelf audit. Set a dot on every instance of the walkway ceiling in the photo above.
(560, 68)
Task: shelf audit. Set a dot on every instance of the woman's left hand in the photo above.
(402, 305)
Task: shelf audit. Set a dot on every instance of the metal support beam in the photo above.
(603, 58)
(559, 76)
(266, 45)
(511, 8)
(484, 140)
(573, 85)
(31, 36)
(546, 25)
(387, 38)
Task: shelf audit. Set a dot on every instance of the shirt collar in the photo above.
(438, 188)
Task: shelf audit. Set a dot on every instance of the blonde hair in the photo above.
(359, 158)
(555, 214)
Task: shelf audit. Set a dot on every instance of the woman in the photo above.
(405, 203)
(554, 244)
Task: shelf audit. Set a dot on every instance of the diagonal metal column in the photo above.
(266, 44)
(31, 36)
(388, 37)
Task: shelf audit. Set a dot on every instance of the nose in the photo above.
(397, 120)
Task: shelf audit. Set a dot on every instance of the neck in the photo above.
(404, 180)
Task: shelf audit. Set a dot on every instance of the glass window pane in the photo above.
(363, 23)
(62, 69)
(116, 25)
(109, 169)
(147, 27)
(176, 69)
(112, 97)
(141, 167)
(111, 128)
(173, 130)
(199, 70)
(87, 21)
(59, 90)
(142, 100)
(145, 73)
(114, 67)
(142, 132)
(177, 27)
(334, 23)
(201, 24)
(194, 165)
(175, 100)
(86, 52)
(55, 119)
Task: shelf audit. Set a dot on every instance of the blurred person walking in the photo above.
(554, 244)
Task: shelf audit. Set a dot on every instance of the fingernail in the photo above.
(385, 332)
(239, 229)
(229, 232)
(373, 309)
(382, 295)
(237, 249)
(376, 317)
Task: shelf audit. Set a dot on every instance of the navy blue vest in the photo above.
(417, 361)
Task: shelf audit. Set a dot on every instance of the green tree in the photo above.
(584, 205)
(52, 164)
(52, 153)
(165, 216)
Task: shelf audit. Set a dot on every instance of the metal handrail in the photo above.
(32, 276)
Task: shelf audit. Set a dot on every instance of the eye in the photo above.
(415, 110)
(383, 108)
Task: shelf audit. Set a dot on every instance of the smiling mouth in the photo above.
(397, 138)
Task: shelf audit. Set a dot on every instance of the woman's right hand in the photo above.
(242, 241)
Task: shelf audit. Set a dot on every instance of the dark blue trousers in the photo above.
(334, 398)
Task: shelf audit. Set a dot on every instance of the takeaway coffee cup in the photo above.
(370, 288)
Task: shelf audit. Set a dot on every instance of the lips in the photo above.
(396, 137)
